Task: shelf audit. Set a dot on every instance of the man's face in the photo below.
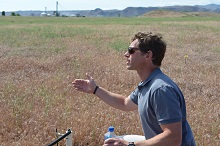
(135, 58)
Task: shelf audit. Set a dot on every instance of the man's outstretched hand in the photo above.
(82, 85)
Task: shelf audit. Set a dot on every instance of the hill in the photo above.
(168, 13)
(127, 12)
(164, 13)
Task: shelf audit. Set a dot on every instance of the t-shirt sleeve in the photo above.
(166, 104)
(134, 96)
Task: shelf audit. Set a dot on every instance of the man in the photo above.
(157, 98)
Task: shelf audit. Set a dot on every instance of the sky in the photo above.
(42, 5)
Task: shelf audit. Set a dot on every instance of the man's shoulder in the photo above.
(161, 80)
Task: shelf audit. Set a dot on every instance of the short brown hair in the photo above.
(153, 42)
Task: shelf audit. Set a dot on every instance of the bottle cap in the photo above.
(110, 129)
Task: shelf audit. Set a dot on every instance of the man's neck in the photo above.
(144, 74)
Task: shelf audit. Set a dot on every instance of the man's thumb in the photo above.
(89, 76)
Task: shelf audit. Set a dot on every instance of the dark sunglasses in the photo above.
(132, 50)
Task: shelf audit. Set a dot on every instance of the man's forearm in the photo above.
(158, 140)
(112, 99)
(171, 136)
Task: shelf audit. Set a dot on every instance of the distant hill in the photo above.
(168, 13)
(127, 12)
(164, 13)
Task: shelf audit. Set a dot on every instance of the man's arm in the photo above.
(116, 100)
(112, 99)
(171, 136)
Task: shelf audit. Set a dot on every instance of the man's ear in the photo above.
(149, 54)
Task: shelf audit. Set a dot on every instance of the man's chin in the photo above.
(129, 68)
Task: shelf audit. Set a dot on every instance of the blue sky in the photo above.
(15, 5)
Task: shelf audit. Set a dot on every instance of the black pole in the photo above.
(57, 9)
(59, 139)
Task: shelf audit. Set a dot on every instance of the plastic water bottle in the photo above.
(110, 133)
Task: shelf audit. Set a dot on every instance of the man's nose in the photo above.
(126, 54)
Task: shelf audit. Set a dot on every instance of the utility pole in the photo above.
(57, 9)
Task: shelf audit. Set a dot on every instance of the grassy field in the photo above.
(40, 57)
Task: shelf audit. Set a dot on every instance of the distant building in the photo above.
(73, 15)
(45, 14)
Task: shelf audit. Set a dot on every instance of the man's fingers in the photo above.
(79, 87)
(76, 81)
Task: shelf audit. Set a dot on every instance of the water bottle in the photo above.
(110, 133)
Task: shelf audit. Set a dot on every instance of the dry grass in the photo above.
(39, 58)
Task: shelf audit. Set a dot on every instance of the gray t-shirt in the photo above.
(160, 101)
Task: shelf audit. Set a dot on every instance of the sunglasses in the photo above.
(132, 50)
